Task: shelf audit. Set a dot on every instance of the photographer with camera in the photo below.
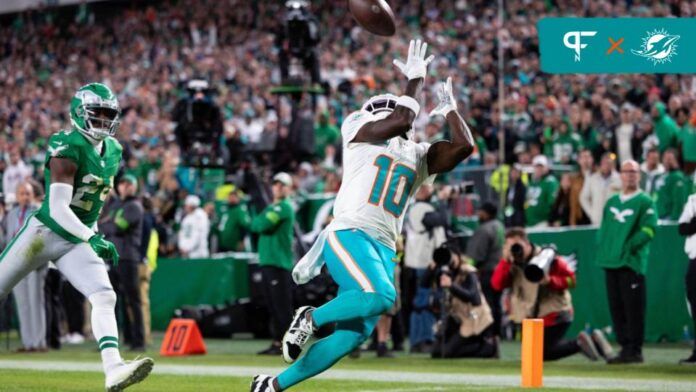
(539, 280)
(465, 328)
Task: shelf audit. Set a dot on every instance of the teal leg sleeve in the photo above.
(357, 264)
(326, 352)
(353, 304)
(364, 271)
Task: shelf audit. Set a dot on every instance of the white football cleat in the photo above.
(297, 336)
(128, 373)
(262, 383)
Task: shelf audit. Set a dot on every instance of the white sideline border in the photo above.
(444, 379)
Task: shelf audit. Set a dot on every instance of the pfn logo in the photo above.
(572, 40)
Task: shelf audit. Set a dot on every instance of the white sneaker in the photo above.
(297, 336)
(262, 383)
(128, 373)
(74, 338)
(587, 346)
(603, 345)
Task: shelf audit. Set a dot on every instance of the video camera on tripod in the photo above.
(198, 125)
(299, 39)
(301, 27)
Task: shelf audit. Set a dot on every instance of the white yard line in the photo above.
(443, 379)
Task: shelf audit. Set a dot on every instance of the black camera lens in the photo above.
(442, 256)
(517, 250)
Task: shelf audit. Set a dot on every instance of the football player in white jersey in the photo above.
(382, 169)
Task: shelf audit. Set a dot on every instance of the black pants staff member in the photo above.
(275, 228)
(687, 227)
(628, 226)
(123, 225)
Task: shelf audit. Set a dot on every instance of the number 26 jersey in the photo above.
(378, 182)
(93, 180)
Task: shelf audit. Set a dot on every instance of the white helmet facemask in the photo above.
(381, 106)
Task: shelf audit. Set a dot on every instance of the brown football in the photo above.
(374, 16)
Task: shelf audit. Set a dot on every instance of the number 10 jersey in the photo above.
(93, 180)
(379, 180)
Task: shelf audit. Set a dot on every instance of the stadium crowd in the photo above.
(145, 53)
(564, 135)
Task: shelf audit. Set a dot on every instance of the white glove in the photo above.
(416, 63)
(447, 101)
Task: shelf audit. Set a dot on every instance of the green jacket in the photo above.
(323, 136)
(231, 227)
(666, 130)
(565, 146)
(687, 135)
(541, 195)
(627, 228)
(672, 190)
(275, 228)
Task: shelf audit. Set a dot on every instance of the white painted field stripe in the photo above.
(443, 379)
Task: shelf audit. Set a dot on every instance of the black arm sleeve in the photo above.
(468, 291)
(688, 228)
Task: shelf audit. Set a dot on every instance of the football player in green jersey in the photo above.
(80, 167)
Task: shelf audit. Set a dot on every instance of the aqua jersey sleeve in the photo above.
(60, 147)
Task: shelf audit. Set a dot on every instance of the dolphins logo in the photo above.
(658, 47)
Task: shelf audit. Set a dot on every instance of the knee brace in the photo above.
(103, 300)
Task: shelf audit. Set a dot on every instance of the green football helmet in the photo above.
(94, 111)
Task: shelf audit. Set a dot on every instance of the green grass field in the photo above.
(174, 374)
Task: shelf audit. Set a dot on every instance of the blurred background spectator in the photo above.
(485, 248)
(29, 292)
(627, 229)
(541, 194)
(195, 226)
(16, 172)
(423, 236)
(122, 224)
(672, 187)
(599, 186)
(687, 228)
(275, 227)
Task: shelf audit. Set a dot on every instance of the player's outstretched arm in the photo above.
(444, 155)
(400, 120)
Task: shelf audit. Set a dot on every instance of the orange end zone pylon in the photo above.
(182, 338)
(532, 353)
